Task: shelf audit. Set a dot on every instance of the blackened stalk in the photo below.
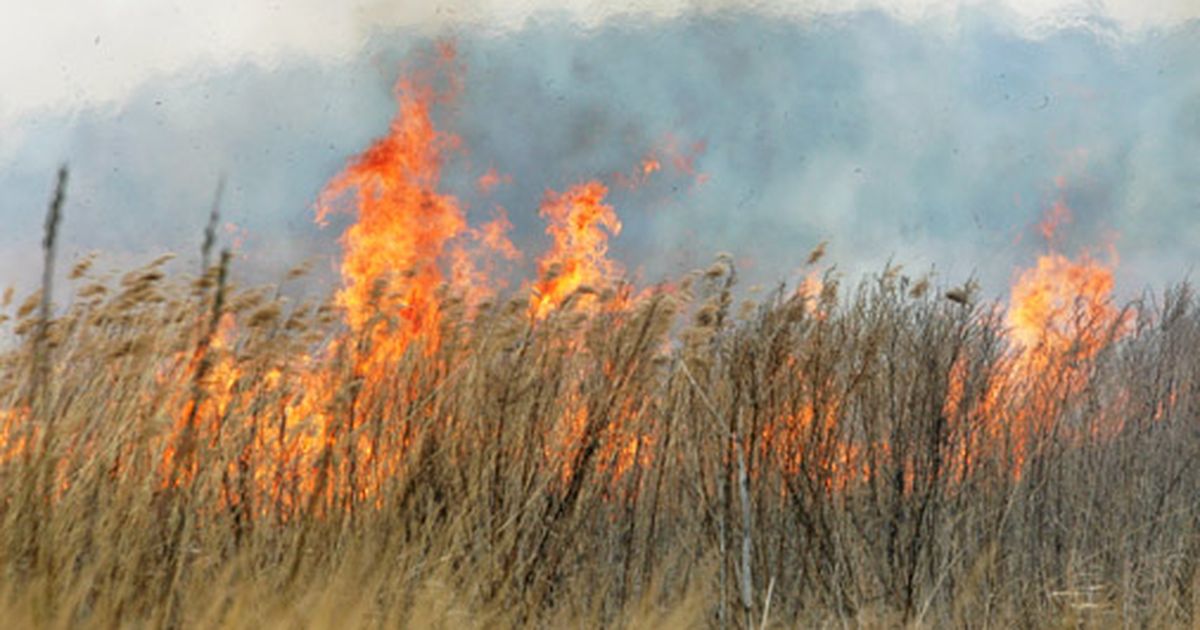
(41, 488)
(41, 376)
(210, 230)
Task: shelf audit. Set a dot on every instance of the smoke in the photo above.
(889, 137)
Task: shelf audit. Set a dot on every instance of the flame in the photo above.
(682, 158)
(579, 224)
(810, 290)
(493, 235)
(410, 241)
(394, 251)
(666, 152)
(1060, 304)
(199, 412)
(1058, 215)
(490, 180)
(1061, 315)
(14, 433)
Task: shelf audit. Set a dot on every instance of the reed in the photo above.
(872, 455)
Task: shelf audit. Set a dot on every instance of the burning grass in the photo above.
(419, 451)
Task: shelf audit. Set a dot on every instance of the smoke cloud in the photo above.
(887, 135)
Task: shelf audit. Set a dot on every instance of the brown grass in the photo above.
(153, 475)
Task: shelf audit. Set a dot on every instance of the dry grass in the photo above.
(197, 455)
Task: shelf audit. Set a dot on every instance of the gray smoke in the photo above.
(889, 139)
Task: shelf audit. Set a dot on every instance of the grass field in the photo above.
(415, 450)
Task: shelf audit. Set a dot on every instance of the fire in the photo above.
(490, 180)
(682, 158)
(579, 224)
(1061, 315)
(1059, 318)
(200, 414)
(494, 236)
(1057, 216)
(394, 251)
(810, 290)
(1061, 305)
(410, 244)
(14, 439)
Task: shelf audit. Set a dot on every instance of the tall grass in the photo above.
(224, 457)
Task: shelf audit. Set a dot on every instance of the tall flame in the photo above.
(1061, 316)
(1061, 304)
(579, 224)
(394, 252)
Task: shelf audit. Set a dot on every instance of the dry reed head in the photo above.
(920, 288)
(581, 467)
(81, 268)
(816, 254)
(29, 305)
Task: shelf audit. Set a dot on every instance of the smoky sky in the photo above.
(937, 148)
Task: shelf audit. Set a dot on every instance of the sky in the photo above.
(929, 132)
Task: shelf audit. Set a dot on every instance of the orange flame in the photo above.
(810, 290)
(490, 180)
(1061, 304)
(494, 235)
(393, 253)
(580, 224)
(1061, 315)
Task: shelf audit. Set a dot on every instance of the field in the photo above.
(418, 450)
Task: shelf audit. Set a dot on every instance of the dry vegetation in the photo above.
(873, 457)
(177, 451)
